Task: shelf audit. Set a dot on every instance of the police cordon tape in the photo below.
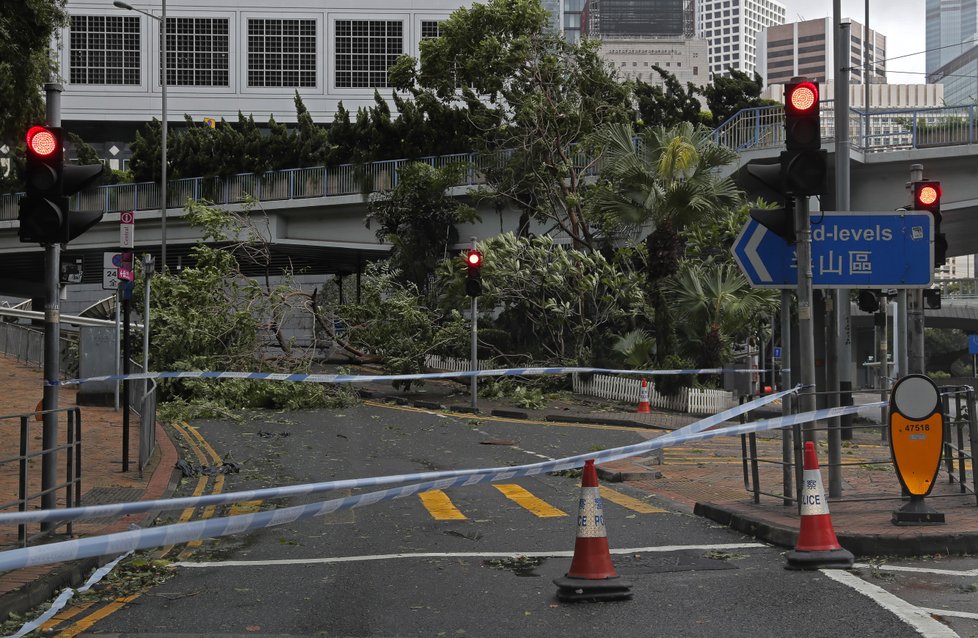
(373, 378)
(124, 509)
(216, 527)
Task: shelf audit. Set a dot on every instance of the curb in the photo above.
(510, 414)
(628, 423)
(859, 544)
(616, 476)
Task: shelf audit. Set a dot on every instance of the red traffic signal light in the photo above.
(927, 195)
(43, 141)
(801, 98)
(473, 280)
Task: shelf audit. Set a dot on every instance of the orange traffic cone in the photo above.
(817, 545)
(643, 398)
(591, 577)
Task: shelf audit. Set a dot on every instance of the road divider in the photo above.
(216, 527)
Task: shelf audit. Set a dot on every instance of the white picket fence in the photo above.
(624, 389)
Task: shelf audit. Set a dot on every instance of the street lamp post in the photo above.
(162, 20)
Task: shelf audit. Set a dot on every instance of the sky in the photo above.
(901, 21)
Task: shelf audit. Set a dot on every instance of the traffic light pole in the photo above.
(52, 344)
(474, 387)
(914, 324)
(806, 324)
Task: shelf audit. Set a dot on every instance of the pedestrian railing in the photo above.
(959, 453)
(876, 130)
(31, 456)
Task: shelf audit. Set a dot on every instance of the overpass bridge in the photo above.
(314, 217)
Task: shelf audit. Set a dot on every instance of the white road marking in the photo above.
(373, 557)
(967, 573)
(919, 619)
(948, 612)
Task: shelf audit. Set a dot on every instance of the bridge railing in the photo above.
(754, 128)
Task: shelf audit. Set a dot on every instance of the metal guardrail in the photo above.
(31, 455)
(959, 454)
(754, 128)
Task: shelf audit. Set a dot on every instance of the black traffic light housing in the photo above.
(932, 298)
(45, 215)
(473, 279)
(868, 301)
(927, 196)
(780, 220)
(804, 163)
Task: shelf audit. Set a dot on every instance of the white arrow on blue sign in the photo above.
(849, 250)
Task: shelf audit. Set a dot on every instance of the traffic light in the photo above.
(781, 220)
(40, 214)
(473, 281)
(927, 196)
(45, 215)
(804, 163)
(868, 301)
(932, 298)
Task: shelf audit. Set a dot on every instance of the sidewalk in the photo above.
(706, 478)
(102, 480)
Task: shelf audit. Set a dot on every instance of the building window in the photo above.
(430, 29)
(281, 52)
(197, 52)
(365, 50)
(104, 50)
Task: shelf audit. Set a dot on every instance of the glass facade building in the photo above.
(952, 57)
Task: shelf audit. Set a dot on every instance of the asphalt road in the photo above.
(394, 569)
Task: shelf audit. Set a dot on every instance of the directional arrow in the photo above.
(849, 250)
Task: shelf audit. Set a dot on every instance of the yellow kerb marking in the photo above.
(440, 506)
(624, 500)
(244, 507)
(528, 501)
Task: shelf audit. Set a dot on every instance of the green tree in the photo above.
(714, 304)
(666, 179)
(534, 97)
(730, 93)
(418, 218)
(668, 106)
(27, 28)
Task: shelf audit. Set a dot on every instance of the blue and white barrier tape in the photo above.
(372, 378)
(210, 528)
(66, 595)
(138, 507)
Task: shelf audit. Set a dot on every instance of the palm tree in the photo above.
(714, 303)
(666, 178)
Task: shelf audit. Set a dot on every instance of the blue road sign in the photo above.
(972, 344)
(849, 250)
(777, 352)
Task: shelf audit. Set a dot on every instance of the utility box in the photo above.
(96, 358)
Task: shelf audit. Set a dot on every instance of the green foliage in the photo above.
(418, 218)
(732, 92)
(550, 301)
(27, 30)
(209, 316)
(636, 348)
(668, 106)
(392, 322)
(534, 98)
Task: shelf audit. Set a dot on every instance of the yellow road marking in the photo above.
(528, 501)
(440, 506)
(91, 619)
(244, 507)
(624, 500)
(65, 615)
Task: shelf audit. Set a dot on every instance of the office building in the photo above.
(638, 18)
(732, 28)
(806, 48)
(633, 58)
(952, 54)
